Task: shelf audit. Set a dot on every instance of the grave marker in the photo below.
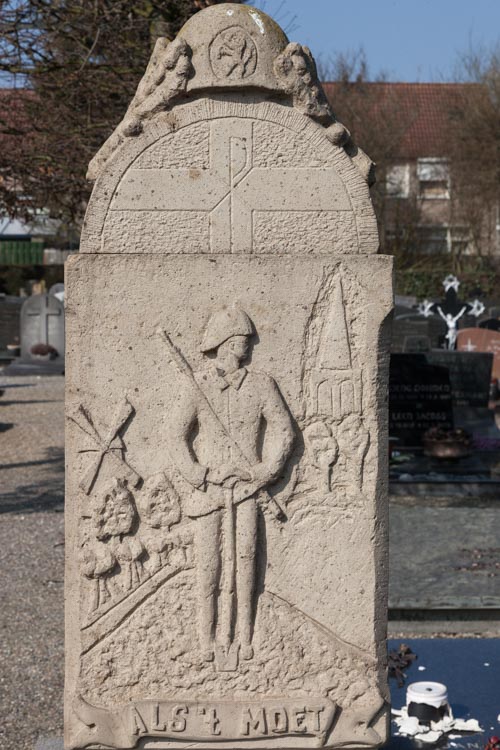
(226, 493)
(481, 340)
(42, 322)
(420, 397)
(470, 376)
(452, 310)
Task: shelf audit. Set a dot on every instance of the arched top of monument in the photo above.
(230, 145)
(222, 48)
(233, 46)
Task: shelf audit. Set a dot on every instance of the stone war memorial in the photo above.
(227, 368)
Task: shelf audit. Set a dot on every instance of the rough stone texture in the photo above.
(227, 349)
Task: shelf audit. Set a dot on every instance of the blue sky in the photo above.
(411, 40)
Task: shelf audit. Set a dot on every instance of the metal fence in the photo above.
(21, 253)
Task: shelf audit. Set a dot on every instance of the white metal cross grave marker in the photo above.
(232, 188)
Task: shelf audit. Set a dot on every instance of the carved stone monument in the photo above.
(226, 488)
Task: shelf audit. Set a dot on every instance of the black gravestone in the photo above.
(405, 331)
(419, 398)
(417, 343)
(470, 376)
(492, 324)
(413, 333)
(436, 389)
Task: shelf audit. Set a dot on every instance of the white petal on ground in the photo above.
(469, 725)
(409, 726)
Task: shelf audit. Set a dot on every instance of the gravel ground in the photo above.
(31, 443)
(31, 560)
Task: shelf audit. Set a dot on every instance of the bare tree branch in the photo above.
(79, 62)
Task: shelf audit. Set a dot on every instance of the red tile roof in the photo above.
(423, 111)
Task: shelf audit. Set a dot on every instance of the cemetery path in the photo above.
(31, 559)
(444, 558)
(31, 443)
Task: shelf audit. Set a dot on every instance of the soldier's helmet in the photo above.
(225, 323)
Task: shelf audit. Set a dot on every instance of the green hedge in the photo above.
(480, 277)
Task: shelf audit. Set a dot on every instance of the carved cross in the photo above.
(232, 188)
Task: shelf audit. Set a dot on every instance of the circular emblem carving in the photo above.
(233, 54)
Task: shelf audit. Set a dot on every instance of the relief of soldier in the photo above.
(230, 436)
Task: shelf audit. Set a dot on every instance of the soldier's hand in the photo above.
(228, 475)
(261, 474)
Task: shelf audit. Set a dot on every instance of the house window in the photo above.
(433, 179)
(397, 181)
(460, 239)
(434, 240)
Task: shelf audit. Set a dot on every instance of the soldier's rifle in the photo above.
(185, 369)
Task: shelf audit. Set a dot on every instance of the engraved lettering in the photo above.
(278, 720)
(178, 723)
(315, 711)
(298, 720)
(137, 725)
(155, 724)
(253, 723)
(211, 720)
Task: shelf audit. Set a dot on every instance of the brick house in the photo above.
(405, 128)
(417, 200)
